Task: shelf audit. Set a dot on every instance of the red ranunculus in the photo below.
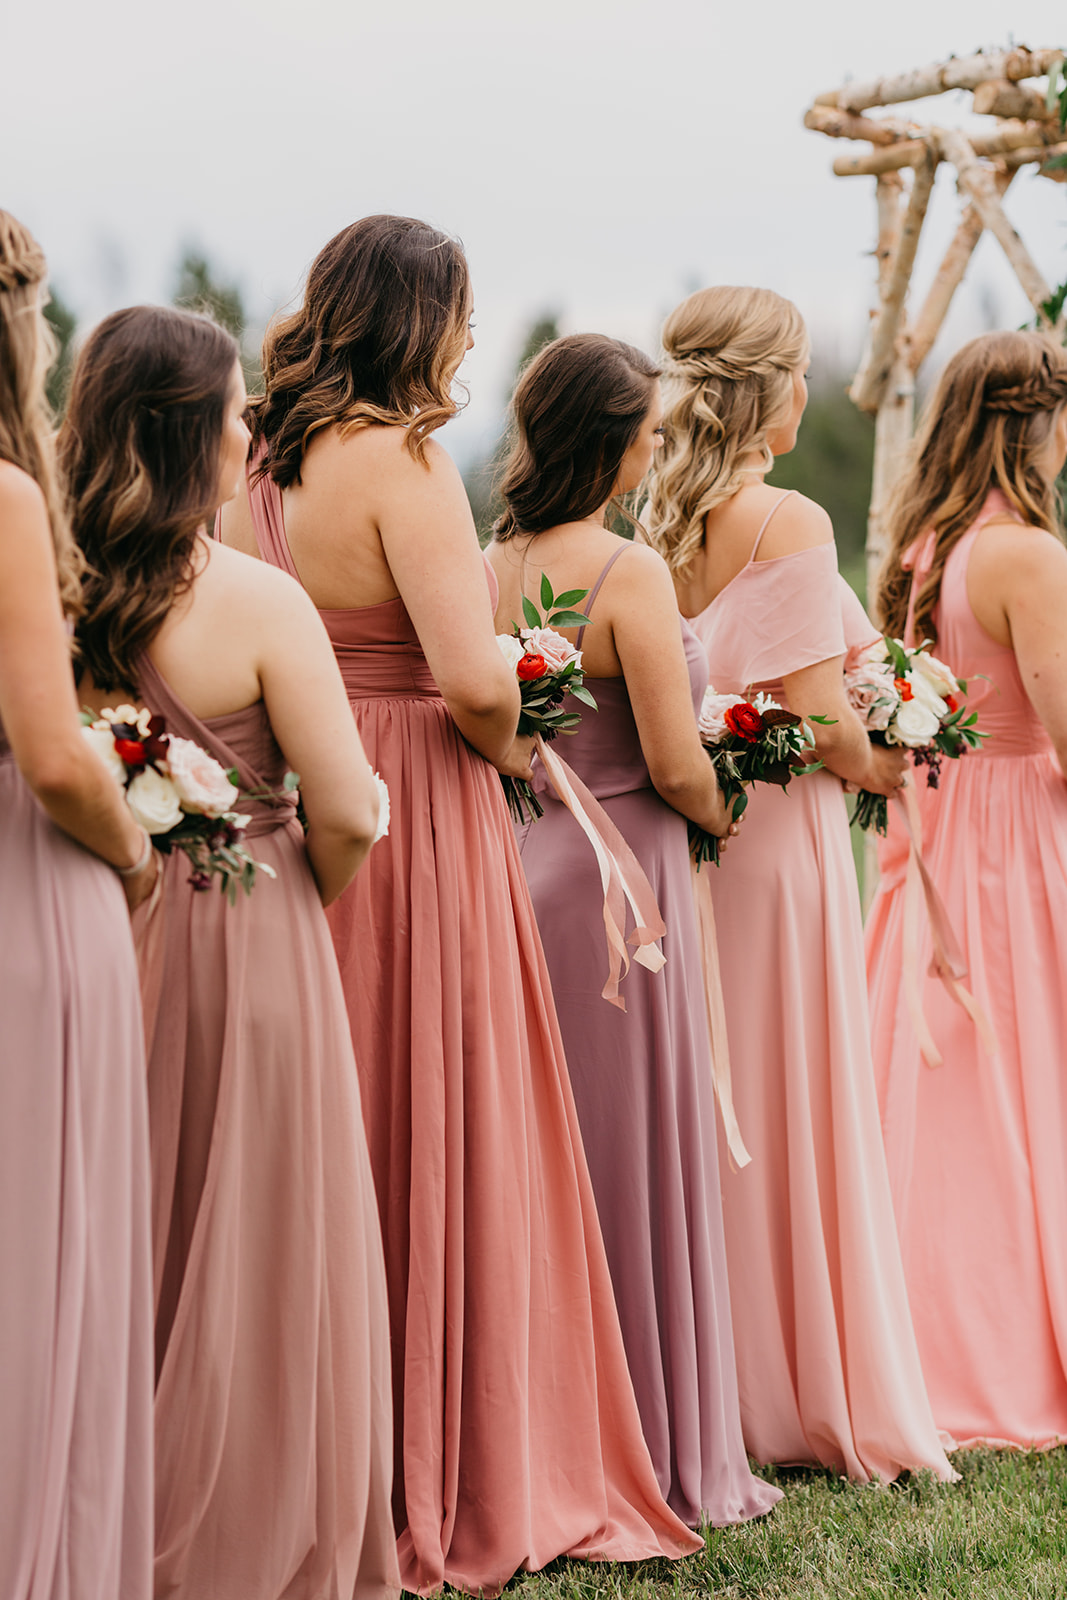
(531, 667)
(744, 720)
(132, 752)
(952, 702)
(904, 688)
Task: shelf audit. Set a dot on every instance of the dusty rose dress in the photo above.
(827, 1363)
(273, 1407)
(643, 1087)
(977, 1146)
(517, 1434)
(75, 1271)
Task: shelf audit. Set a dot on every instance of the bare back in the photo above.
(730, 534)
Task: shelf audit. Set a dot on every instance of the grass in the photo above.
(1001, 1531)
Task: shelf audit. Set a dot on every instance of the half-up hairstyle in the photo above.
(140, 446)
(379, 337)
(577, 409)
(986, 428)
(27, 349)
(728, 387)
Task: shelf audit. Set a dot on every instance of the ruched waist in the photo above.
(266, 816)
(385, 672)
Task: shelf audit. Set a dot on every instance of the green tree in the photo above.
(198, 288)
(482, 478)
(64, 324)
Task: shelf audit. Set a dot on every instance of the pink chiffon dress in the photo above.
(517, 1434)
(75, 1266)
(827, 1363)
(976, 1147)
(273, 1408)
(645, 1095)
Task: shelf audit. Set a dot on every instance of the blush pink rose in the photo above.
(201, 783)
(872, 694)
(712, 720)
(557, 651)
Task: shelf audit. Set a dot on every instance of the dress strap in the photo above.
(588, 603)
(268, 522)
(763, 525)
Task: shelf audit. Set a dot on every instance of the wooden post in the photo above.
(871, 384)
(947, 279)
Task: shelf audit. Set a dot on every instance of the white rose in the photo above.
(556, 650)
(102, 740)
(153, 799)
(915, 724)
(711, 721)
(941, 679)
(383, 796)
(201, 783)
(511, 649)
(924, 691)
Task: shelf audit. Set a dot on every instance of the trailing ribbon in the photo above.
(716, 1009)
(947, 961)
(621, 876)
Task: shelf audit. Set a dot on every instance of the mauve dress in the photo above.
(75, 1268)
(827, 1363)
(977, 1147)
(517, 1435)
(273, 1411)
(646, 1104)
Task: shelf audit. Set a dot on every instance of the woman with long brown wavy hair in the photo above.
(827, 1364)
(517, 1435)
(272, 1417)
(975, 1146)
(75, 1304)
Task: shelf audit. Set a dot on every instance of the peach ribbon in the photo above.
(716, 1009)
(621, 876)
(947, 961)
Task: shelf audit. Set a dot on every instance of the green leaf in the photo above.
(570, 597)
(824, 722)
(568, 619)
(234, 777)
(290, 782)
(530, 612)
(546, 592)
(585, 697)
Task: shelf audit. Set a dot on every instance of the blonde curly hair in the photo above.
(731, 355)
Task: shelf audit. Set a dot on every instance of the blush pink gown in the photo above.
(273, 1407)
(977, 1146)
(645, 1096)
(517, 1434)
(827, 1362)
(75, 1268)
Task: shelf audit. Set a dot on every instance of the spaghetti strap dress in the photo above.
(517, 1434)
(273, 1408)
(643, 1087)
(976, 1145)
(827, 1363)
(75, 1266)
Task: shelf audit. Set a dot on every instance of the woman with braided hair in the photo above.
(75, 1273)
(976, 1146)
(828, 1369)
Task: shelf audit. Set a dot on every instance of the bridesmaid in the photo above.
(976, 1147)
(827, 1363)
(272, 1415)
(517, 1437)
(587, 419)
(76, 1297)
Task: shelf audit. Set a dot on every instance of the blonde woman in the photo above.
(75, 1275)
(976, 1147)
(827, 1363)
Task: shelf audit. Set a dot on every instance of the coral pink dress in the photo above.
(517, 1433)
(273, 1403)
(827, 1363)
(75, 1267)
(645, 1096)
(977, 1146)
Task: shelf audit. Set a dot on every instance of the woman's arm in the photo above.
(38, 702)
(648, 640)
(842, 744)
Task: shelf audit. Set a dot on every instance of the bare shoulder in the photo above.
(20, 495)
(381, 453)
(796, 523)
(1013, 553)
(641, 575)
(241, 581)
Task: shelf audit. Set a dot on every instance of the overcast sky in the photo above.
(599, 158)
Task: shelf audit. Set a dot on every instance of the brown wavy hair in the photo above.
(985, 428)
(27, 350)
(577, 409)
(140, 446)
(378, 339)
(728, 387)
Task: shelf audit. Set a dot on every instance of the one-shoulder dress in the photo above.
(273, 1404)
(976, 1146)
(517, 1434)
(75, 1267)
(827, 1362)
(645, 1096)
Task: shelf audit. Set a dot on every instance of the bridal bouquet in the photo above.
(749, 741)
(906, 696)
(548, 668)
(179, 794)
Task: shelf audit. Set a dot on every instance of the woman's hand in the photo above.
(888, 770)
(516, 761)
(139, 885)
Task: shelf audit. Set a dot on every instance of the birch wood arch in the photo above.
(1025, 128)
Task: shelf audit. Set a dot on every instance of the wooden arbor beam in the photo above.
(947, 279)
(977, 182)
(869, 387)
(1006, 139)
(960, 72)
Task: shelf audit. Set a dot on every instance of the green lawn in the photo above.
(1002, 1531)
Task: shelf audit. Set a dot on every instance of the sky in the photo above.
(598, 158)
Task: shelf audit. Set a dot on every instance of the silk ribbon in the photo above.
(716, 1009)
